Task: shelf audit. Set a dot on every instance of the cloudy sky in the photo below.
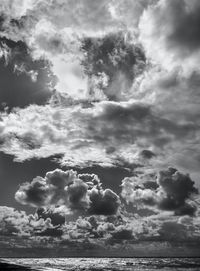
(99, 127)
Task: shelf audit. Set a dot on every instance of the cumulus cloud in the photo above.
(18, 223)
(56, 214)
(59, 188)
(177, 186)
(12, 221)
(171, 191)
(102, 230)
(103, 202)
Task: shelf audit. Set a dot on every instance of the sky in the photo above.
(99, 127)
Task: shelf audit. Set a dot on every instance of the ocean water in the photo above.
(98, 264)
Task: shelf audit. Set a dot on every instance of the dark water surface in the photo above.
(98, 264)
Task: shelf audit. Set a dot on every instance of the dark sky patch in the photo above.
(110, 176)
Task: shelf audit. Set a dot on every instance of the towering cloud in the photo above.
(171, 190)
(67, 188)
(177, 188)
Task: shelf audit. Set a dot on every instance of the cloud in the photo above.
(12, 221)
(52, 31)
(55, 32)
(171, 191)
(56, 214)
(148, 154)
(177, 187)
(16, 8)
(112, 62)
(176, 96)
(170, 33)
(106, 231)
(103, 202)
(127, 127)
(130, 11)
(32, 80)
(103, 16)
(59, 188)
(121, 234)
(18, 223)
(179, 230)
(75, 14)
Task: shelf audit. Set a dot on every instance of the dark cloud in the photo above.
(178, 188)
(173, 231)
(82, 192)
(57, 218)
(130, 122)
(172, 33)
(32, 80)
(103, 202)
(184, 19)
(147, 154)
(186, 209)
(172, 191)
(78, 195)
(121, 234)
(2, 19)
(36, 193)
(114, 61)
(50, 232)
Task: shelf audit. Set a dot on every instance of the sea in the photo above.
(100, 264)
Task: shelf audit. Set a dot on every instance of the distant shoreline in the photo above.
(99, 257)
